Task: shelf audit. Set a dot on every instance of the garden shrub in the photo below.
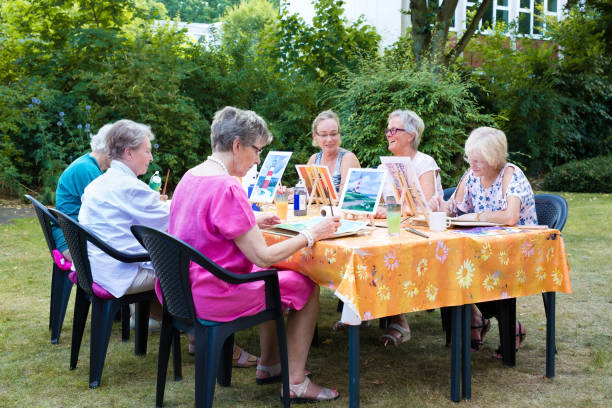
(443, 101)
(583, 176)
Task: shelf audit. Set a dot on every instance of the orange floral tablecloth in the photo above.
(380, 276)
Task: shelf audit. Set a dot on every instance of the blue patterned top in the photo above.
(336, 177)
(479, 199)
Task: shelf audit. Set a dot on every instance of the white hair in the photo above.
(490, 143)
(98, 141)
(126, 134)
(412, 123)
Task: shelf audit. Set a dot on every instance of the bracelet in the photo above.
(309, 238)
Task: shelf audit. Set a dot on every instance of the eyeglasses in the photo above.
(257, 149)
(335, 134)
(393, 131)
(473, 162)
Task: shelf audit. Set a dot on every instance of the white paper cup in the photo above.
(438, 221)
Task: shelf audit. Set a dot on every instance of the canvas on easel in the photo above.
(318, 183)
(269, 177)
(306, 174)
(406, 186)
(362, 191)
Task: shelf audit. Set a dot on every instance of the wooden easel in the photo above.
(405, 194)
(318, 195)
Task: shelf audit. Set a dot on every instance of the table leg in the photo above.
(455, 351)
(507, 326)
(550, 333)
(353, 335)
(466, 352)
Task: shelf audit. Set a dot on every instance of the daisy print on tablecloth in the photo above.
(504, 258)
(520, 276)
(347, 273)
(465, 273)
(330, 255)
(540, 274)
(550, 254)
(527, 249)
(410, 289)
(421, 267)
(485, 251)
(362, 271)
(431, 292)
(391, 260)
(557, 277)
(491, 281)
(383, 292)
(441, 252)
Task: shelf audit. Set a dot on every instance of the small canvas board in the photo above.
(362, 191)
(402, 174)
(306, 173)
(328, 184)
(269, 177)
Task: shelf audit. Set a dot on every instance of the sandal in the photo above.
(274, 374)
(485, 325)
(338, 326)
(299, 393)
(520, 336)
(389, 337)
(242, 359)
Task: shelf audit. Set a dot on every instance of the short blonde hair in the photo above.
(490, 143)
(328, 114)
(412, 123)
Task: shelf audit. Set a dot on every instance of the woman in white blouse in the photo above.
(404, 131)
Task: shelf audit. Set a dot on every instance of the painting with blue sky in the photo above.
(362, 191)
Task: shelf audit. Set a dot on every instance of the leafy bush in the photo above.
(444, 102)
(583, 176)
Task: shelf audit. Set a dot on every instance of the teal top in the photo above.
(69, 190)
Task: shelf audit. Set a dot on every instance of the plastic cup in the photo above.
(394, 215)
(281, 205)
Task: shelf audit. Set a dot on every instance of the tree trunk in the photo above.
(467, 35)
(421, 33)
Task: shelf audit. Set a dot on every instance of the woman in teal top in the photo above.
(73, 181)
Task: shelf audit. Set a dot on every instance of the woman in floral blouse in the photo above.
(496, 191)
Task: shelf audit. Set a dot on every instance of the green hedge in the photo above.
(583, 176)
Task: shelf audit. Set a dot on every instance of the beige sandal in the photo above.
(388, 338)
(299, 393)
(243, 359)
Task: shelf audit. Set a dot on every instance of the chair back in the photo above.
(171, 259)
(552, 210)
(448, 192)
(76, 238)
(46, 219)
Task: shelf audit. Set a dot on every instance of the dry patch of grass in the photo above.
(35, 373)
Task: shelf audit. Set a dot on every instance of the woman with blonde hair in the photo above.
(326, 135)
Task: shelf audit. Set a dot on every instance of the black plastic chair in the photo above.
(61, 285)
(213, 340)
(103, 309)
(448, 192)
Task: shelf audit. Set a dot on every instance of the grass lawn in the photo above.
(35, 373)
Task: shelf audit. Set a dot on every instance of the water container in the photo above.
(155, 182)
(299, 199)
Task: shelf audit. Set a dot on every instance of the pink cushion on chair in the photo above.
(98, 290)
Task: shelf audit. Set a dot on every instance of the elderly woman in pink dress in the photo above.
(211, 212)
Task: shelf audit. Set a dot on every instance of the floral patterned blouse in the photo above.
(479, 199)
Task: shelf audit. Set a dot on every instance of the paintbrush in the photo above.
(166, 182)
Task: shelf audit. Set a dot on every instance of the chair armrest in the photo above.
(118, 255)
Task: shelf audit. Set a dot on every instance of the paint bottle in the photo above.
(299, 199)
(155, 182)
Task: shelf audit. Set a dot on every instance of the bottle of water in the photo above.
(299, 199)
(155, 182)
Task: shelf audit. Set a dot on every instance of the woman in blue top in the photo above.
(496, 191)
(326, 135)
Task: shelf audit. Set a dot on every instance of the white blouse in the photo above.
(111, 204)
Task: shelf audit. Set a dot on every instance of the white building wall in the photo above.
(390, 23)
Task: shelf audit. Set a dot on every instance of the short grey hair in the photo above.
(328, 114)
(489, 142)
(412, 123)
(126, 134)
(98, 141)
(230, 123)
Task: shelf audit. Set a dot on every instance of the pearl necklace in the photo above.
(219, 162)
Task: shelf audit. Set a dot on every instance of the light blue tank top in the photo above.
(336, 177)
